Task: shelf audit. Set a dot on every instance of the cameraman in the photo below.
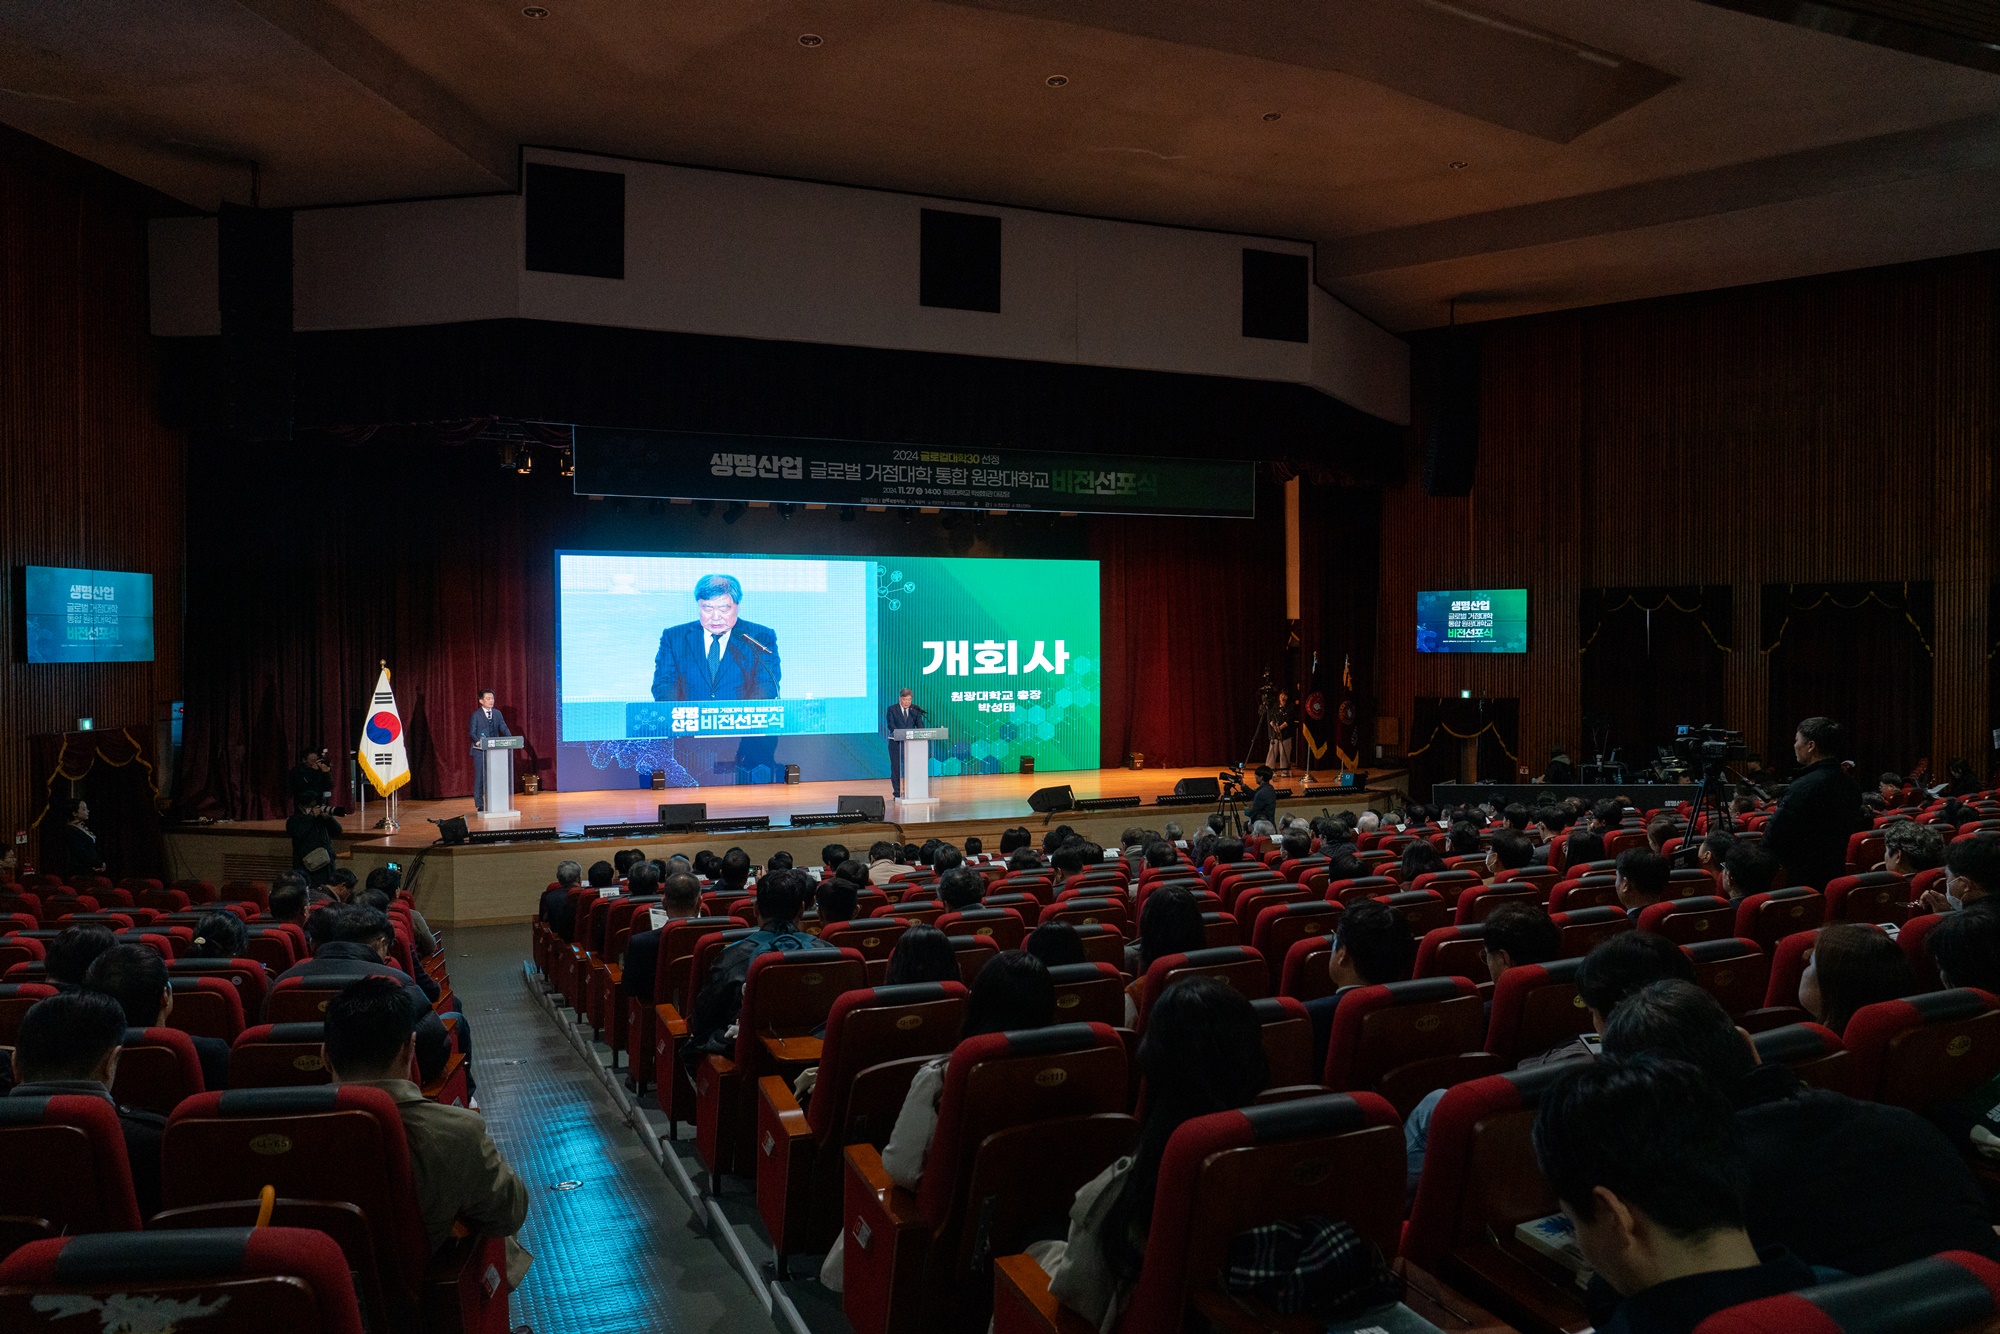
(1264, 801)
(312, 830)
(1808, 832)
(311, 780)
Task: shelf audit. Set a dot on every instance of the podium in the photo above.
(916, 743)
(497, 754)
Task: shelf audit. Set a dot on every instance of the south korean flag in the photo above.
(381, 753)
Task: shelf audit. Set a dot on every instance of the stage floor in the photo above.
(975, 797)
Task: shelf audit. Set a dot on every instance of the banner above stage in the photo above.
(693, 465)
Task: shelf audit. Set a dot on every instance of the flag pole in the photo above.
(389, 824)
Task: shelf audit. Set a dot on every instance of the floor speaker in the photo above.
(1044, 799)
(867, 805)
(1199, 787)
(682, 813)
(452, 830)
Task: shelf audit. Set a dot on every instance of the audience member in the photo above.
(961, 888)
(1203, 1052)
(69, 1044)
(219, 935)
(1747, 869)
(1851, 1185)
(780, 898)
(1420, 858)
(1642, 880)
(1170, 923)
(1852, 965)
(1646, 1159)
(1662, 828)
(1508, 851)
(1055, 944)
(136, 977)
(1909, 847)
(1712, 851)
(1011, 993)
(1971, 873)
(360, 944)
(680, 899)
(370, 1038)
(922, 954)
(882, 865)
(835, 899)
(69, 956)
(288, 901)
(1372, 946)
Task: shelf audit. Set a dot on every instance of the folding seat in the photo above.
(1953, 1291)
(1219, 929)
(973, 953)
(248, 976)
(1296, 869)
(197, 891)
(1089, 993)
(1393, 844)
(227, 1281)
(171, 899)
(786, 1000)
(19, 948)
(1025, 904)
(1232, 885)
(58, 907)
(1735, 971)
(1924, 881)
(1590, 891)
(1361, 887)
(294, 1000)
(1911, 938)
(677, 943)
(1281, 925)
(1682, 921)
(1423, 910)
(1220, 870)
(670, 1017)
(1086, 911)
(1304, 975)
(110, 921)
(1688, 882)
(1541, 877)
(1478, 903)
(1583, 929)
(1864, 850)
(876, 1037)
(1480, 1180)
(16, 999)
(157, 1068)
(1769, 917)
(1872, 896)
(1813, 1051)
(1103, 944)
(873, 938)
(15, 899)
(1238, 965)
(1288, 1042)
(1336, 1154)
(990, 1184)
(1406, 1038)
(1254, 899)
(278, 1056)
(271, 946)
(1448, 885)
(1788, 967)
(1535, 1007)
(1315, 879)
(221, 1149)
(63, 1168)
(206, 1007)
(1923, 1050)
(1003, 926)
(245, 891)
(1453, 951)
(926, 911)
(1193, 884)
(1618, 840)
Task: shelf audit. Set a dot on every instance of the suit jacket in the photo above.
(898, 717)
(144, 1133)
(340, 962)
(1808, 832)
(482, 727)
(747, 671)
(1263, 804)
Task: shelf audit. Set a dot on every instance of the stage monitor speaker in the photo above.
(1105, 803)
(1208, 789)
(453, 830)
(1451, 410)
(575, 220)
(682, 814)
(866, 804)
(1044, 799)
(1275, 296)
(958, 265)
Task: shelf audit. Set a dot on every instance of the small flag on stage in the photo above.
(381, 753)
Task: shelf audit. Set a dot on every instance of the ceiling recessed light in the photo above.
(535, 12)
(1460, 166)
(1058, 80)
(810, 39)
(1272, 115)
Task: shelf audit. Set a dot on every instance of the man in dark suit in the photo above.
(1808, 832)
(486, 722)
(904, 713)
(718, 655)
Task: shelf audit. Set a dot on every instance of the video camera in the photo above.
(1708, 744)
(1232, 784)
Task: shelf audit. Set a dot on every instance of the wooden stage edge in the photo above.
(494, 883)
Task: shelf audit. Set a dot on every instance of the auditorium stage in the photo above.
(499, 882)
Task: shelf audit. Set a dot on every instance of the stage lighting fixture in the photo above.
(506, 457)
(785, 512)
(568, 464)
(524, 462)
(737, 509)
(704, 508)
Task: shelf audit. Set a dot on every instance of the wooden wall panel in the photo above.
(88, 475)
(1838, 428)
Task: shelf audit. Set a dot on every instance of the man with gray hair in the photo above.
(718, 655)
(555, 898)
(1368, 823)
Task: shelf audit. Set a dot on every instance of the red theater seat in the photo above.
(1872, 896)
(1535, 1007)
(1683, 921)
(63, 1168)
(1407, 1038)
(278, 1056)
(1002, 926)
(1769, 917)
(1584, 929)
(1477, 904)
(1923, 1050)
(1733, 970)
(1814, 1053)
(206, 1007)
(1240, 966)
(1479, 1166)
(1280, 926)
(1288, 1041)
(1943, 1293)
(1304, 975)
(157, 1068)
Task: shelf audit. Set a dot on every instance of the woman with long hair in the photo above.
(1170, 923)
(1852, 965)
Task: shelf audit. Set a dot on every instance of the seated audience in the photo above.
(780, 898)
(1583, 846)
(1851, 1185)
(1508, 851)
(1966, 949)
(370, 1040)
(1420, 858)
(388, 881)
(1641, 882)
(1170, 923)
(136, 977)
(1852, 965)
(922, 954)
(1203, 1052)
(1012, 992)
(1662, 828)
(69, 1044)
(835, 899)
(882, 863)
(1055, 944)
(1909, 847)
(1971, 873)
(680, 899)
(1372, 946)
(69, 956)
(1712, 852)
(219, 935)
(554, 906)
(288, 901)
(360, 946)
(960, 888)
(832, 856)
(1747, 869)
(1647, 1160)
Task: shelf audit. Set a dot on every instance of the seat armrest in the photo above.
(886, 1244)
(784, 1156)
(1022, 1303)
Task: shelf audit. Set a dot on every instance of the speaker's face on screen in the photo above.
(718, 615)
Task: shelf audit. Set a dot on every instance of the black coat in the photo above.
(340, 962)
(1263, 804)
(1808, 832)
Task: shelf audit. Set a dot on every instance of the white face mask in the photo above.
(1954, 900)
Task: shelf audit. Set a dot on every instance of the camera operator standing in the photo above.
(1264, 801)
(1808, 832)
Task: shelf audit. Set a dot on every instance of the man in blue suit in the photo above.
(718, 655)
(486, 722)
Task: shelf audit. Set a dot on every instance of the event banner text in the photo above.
(792, 470)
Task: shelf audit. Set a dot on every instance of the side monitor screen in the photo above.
(1473, 620)
(86, 615)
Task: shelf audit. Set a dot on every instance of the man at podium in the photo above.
(904, 713)
(486, 722)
